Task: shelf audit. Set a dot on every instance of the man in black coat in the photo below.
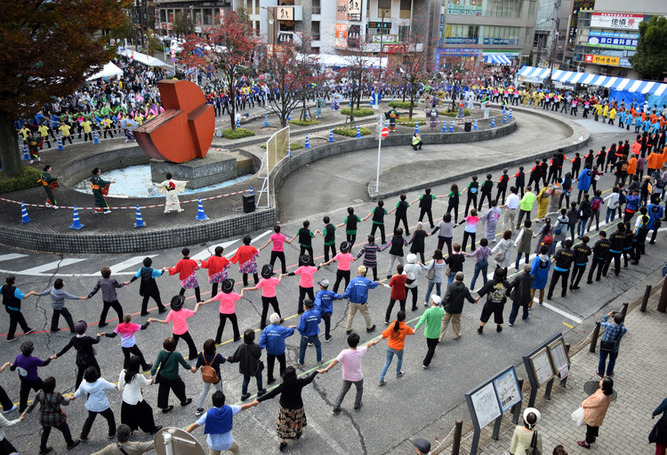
(520, 293)
(453, 301)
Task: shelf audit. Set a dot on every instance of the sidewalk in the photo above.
(639, 379)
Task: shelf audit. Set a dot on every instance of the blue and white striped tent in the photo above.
(532, 73)
(497, 59)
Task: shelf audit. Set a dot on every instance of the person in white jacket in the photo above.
(96, 389)
(500, 252)
(135, 412)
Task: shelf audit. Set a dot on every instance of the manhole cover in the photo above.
(591, 386)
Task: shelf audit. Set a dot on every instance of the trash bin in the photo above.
(467, 126)
(248, 203)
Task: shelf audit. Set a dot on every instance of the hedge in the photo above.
(352, 132)
(305, 122)
(363, 112)
(238, 133)
(411, 122)
(449, 113)
(402, 104)
(292, 145)
(26, 179)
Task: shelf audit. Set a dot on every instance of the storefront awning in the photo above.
(497, 59)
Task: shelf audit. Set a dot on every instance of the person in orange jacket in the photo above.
(655, 161)
(632, 165)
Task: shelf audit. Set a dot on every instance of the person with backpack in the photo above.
(148, 286)
(585, 212)
(208, 362)
(596, 208)
(135, 412)
(526, 437)
(496, 295)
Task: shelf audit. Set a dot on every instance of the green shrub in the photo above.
(305, 122)
(292, 146)
(402, 104)
(449, 113)
(26, 179)
(363, 112)
(411, 122)
(352, 132)
(238, 133)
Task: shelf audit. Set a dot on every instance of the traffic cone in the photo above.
(331, 139)
(417, 127)
(139, 223)
(332, 104)
(201, 216)
(504, 118)
(96, 138)
(504, 107)
(26, 155)
(25, 219)
(305, 115)
(474, 126)
(76, 224)
(238, 122)
(307, 145)
(444, 126)
(289, 150)
(251, 192)
(493, 122)
(266, 119)
(451, 126)
(289, 116)
(358, 131)
(510, 114)
(60, 143)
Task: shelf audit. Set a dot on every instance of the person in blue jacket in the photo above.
(273, 340)
(585, 179)
(632, 202)
(357, 293)
(655, 215)
(540, 270)
(324, 303)
(309, 328)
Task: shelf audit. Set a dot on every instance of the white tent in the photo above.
(109, 70)
(141, 58)
(342, 61)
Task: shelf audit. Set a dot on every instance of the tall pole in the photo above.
(377, 174)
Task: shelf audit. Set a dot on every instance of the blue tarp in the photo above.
(627, 98)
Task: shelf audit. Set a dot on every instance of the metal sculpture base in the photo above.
(217, 167)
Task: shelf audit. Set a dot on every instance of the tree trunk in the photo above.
(10, 156)
(232, 101)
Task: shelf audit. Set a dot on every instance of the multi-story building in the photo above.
(478, 29)
(202, 13)
(551, 32)
(606, 36)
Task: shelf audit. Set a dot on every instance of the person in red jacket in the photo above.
(187, 273)
(246, 257)
(398, 292)
(217, 266)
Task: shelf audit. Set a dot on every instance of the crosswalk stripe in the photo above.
(559, 311)
(129, 263)
(204, 254)
(11, 256)
(263, 234)
(50, 266)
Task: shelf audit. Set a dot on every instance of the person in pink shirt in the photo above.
(127, 341)
(178, 316)
(268, 284)
(305, 271)
(187, 273)
(228, 301)
(352, 374)
(217, 266)
(278, 249)
(344, 259)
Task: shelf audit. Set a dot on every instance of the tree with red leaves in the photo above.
(47, 49)
(229, 47)
(292, 75)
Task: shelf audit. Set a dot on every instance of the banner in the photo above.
(340, 40)
(389, 39)
(456, 40)
(353, 35)
(602, 60)
(341, 10)
(354, 10)
(501, 41)
(613, 40)
(465, 10)
(614, 20)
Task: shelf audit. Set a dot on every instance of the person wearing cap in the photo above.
(324, 303)
(432, 318)
(267, 284)
(344, 259)
(228, 300)
(305, 271)
(309, 328)
(27, 365)
(453, 305)
(412, 271)
(85, 353)
(179, 318)
(357, 293)
(273, 340)
(352, 373)
(369, 252)
(422, 446)
(526, 436)
(124, 446)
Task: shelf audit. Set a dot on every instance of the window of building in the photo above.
(197, 16)
(315, 30)
(403, 32)
(508, 36)
(208, 16)
(462, 31)
(315, 5)
(163, 15)
(406, 9)
(531, 9)
(384, 5)
(504, 8)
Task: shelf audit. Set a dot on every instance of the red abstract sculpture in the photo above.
(182, 132)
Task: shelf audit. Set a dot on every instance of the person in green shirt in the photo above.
(168, 379)
(100, 189)
(350, 224)
(49, 182)
(526, 205)
(432, 318)
(305, 239)
(378, 214)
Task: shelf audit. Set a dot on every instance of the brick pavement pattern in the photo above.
(639, 379)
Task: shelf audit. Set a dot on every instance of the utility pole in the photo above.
(554, 37)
